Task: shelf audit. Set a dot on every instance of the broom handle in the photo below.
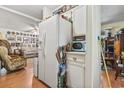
(106, 71)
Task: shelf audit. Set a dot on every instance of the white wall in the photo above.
(116, 26)
(92, 69)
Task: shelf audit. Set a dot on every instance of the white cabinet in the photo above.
(41, 66)
(79, 21)
(75, 70)
(64, 32)
(34, 62)
(35, 66)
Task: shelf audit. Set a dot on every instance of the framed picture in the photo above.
(33, 40)
(13, 44)
(11, 37)
(30, 40)
(31, 35)
(33, 45)
(29, 45)
(25, 39)
(19, 38)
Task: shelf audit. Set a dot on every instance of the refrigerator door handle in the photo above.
(44, 44)
(40, 45)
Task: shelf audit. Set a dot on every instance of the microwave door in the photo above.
(83, 47)
(79, 46)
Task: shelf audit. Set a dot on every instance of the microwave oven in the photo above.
(79, 46)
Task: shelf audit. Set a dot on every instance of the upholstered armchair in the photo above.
(11, 63)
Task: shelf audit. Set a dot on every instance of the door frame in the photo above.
(92, 63)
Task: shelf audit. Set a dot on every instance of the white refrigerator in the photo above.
(54, 32)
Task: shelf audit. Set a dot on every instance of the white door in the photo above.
(41, 52)
(79, 21)
(51, 43)
(65, 34)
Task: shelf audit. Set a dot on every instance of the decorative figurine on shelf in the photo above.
(109, 34)
(68, 47)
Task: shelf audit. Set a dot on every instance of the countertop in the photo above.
(80, 53)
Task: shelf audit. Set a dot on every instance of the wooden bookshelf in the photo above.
(109, 51)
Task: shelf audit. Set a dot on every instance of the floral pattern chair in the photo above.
(11, 63)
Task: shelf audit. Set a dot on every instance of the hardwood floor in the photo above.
(119, 83)
(21, 79)
(24, 79)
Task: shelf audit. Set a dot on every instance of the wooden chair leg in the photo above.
(118, 71)
(116, 75)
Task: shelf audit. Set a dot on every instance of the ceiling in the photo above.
(32, 10)
(9, 20)
(14, 21)
(112, 13)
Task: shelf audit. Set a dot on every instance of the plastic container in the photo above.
(3, 72)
